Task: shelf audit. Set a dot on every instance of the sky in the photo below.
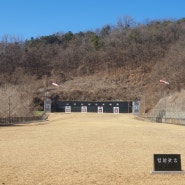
(34, 18)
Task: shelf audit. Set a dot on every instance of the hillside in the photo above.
(119, 62)
(171, 106)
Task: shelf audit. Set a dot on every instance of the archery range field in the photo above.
(88, 149)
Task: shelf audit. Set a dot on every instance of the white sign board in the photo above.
(67, 109)
(100, 110)
(116, 110)
(84, 109)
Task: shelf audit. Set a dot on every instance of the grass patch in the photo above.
(38, 113)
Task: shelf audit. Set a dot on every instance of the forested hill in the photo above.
(115, 62)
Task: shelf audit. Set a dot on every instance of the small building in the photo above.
(47, 105)
(136, 106)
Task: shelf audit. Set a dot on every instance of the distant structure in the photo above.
(89, 106)
(136, 106)
(47, 105)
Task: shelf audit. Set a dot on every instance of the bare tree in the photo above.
(17, 100)
(126, 22)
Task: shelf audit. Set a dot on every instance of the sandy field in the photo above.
(88, 149)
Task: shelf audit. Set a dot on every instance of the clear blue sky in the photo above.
(34, 18)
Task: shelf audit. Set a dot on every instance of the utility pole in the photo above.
(9, 108)
(165, 83)
(144, 102)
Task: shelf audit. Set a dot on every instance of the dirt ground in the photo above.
(88, 149)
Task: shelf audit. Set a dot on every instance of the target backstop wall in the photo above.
(108, 107)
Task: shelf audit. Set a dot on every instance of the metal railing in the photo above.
(15, 120)
(162, 116)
